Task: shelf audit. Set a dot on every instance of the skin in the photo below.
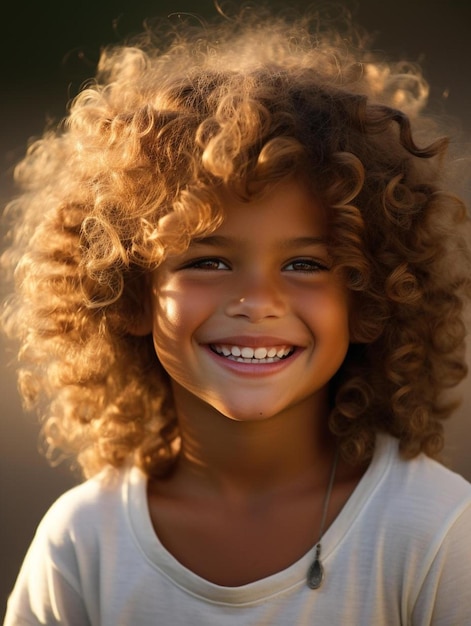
(256, 455)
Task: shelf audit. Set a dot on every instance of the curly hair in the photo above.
(132, 174)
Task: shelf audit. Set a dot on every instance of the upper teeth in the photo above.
(246, 352)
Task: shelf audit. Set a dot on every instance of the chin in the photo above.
(250, 413)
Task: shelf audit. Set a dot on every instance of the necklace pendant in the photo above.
(315, 574)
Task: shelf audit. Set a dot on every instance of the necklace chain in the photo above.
(315, 575)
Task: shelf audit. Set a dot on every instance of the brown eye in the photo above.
(207, 264)
(305, 266)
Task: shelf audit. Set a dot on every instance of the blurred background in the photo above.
(48, 49)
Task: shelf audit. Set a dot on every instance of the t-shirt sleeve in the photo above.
(444, 595)
(47, 590)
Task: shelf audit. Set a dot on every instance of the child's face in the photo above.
(249, 320)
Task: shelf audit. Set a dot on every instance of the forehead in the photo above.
(289, 209)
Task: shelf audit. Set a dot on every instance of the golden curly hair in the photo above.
(132, 174)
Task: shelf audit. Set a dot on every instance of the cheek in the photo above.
(329, 322)
(167, 304)
(166, 334)
(177, 314)
(167, 312)
(165, 316)
(328, 307)
(337, 321)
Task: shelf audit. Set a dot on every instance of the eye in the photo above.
(209, 263)
(306, 266)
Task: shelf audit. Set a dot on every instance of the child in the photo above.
(240, 286)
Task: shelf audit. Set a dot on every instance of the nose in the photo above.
(257, 299)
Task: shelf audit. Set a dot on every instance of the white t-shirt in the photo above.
(398, 553)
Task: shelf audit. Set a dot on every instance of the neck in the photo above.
(239, 459)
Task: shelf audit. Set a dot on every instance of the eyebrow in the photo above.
(223, 241)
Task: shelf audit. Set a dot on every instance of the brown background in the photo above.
(48, 49)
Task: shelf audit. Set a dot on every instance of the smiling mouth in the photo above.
(246, 354)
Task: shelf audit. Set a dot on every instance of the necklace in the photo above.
(315, 574)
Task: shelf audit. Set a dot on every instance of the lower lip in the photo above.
(254, 369)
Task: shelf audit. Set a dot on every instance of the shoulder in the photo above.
(80, 513)
(419, 495)
(81, 527)
(412, 529)
(77, 540)
(422, 479)
(427, 521)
